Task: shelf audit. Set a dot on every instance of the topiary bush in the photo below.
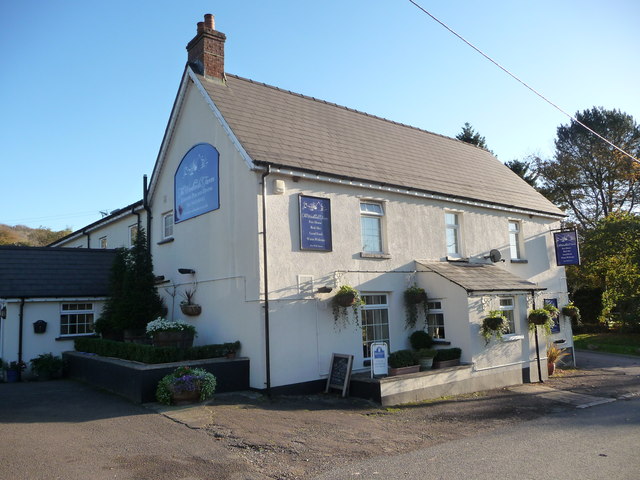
(420, 339)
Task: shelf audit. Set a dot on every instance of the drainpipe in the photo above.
(147, 208)
(21, 322)
(533, 298)
(84, 232)
(266, 279)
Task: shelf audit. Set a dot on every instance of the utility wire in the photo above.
(524, 83)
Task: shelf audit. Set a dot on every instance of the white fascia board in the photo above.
(410, 192)
(234, 140)
(56, 299)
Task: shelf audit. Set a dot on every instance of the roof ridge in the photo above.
(333, 104)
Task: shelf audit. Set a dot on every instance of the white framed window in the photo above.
(103, 242)
(435, 319)
(515, 240)
(76, 319)
(167, 225)
(375, 321)
(452, 232)
(508, 307)
(133, 234)
(371, 216)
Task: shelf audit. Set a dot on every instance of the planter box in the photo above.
(138, 381)
(173, 339)
(447, 363)
(404, 370)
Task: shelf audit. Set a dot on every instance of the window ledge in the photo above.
(439, 341)
(73, 337)
(166, 240)
(512, 338)
(519, 260)
(375, 255)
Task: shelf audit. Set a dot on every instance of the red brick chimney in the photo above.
(206, 50)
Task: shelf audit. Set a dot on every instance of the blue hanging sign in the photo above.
(566, 245)
(315, 223)
(196, 183)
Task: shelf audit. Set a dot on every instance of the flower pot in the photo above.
(446, 363)
(403, 370)
(134, 335)
(185, 398)
(551, 368)
(173, 339)
(426, 363)
(191, 309)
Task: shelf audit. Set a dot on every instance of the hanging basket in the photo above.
(414, 296)
(191, 309)
(494, 323)
(346, 299)
(539, 317)
(570, 311)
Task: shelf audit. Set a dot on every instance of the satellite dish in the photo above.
(495, 255)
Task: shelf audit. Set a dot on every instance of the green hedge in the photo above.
(150, 354)
(444, 354)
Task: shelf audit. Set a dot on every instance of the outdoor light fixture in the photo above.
(187, 271)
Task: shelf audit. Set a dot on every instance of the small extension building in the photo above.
(266, 202)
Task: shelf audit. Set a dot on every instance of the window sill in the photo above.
(375, 255)
(512, 338)
(440, 341)
(166, 240)
(519, 260)
(73, 337)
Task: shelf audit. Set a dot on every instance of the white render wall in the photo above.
(116, 231)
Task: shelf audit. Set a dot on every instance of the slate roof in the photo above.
(290, 130)
(476, 277)
(45, 272)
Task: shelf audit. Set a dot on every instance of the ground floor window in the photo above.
(76, 319)
(375, 321)
(507, 307)
(435, 319)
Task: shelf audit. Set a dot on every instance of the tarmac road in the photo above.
(65, 430)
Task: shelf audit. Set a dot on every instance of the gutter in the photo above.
(266, 280)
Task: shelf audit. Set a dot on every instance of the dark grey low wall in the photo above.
(137, 381)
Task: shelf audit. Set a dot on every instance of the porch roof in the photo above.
(479, 277)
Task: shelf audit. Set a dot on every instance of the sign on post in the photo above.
(379, 355)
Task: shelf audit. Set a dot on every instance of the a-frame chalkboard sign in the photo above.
(340, 373)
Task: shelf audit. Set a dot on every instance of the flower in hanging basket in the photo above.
(552, 310)
(571, 310)
(495, 323)
(186, 384)
(539, 316)
(346, 297)
(415, 295)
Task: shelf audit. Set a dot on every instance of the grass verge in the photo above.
(628, 344)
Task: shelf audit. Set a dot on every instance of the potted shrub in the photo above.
(420, 339)
(186, 385)
(171, 333)
(425, 358)
(553, 355)
(187, 306)
(402, 362)
(414, 296)
(447, 357)
(494, 324)
(346, 297)
(46, 366)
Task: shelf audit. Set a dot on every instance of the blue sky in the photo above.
(86, 88)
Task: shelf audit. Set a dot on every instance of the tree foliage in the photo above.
(33, 237)
(525, 170)
(611, 262)
(133, 298)
(469, 135)
(589, 177)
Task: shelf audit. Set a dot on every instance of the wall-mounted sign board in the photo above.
(566, 246)
(340, 373)
(196, 183)
(315, 223)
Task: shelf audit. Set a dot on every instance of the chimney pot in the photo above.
(200, 27)
(209, 21)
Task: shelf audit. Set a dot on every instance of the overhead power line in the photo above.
(524, 83)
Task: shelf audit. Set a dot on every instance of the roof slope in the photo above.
(45, 272)
(479, 277)
(299, 132)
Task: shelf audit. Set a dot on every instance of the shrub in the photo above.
(46, 364)
(402, 358)
(444, 354)
(420, 339)
(150, 354)
(427, 353)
